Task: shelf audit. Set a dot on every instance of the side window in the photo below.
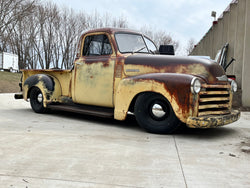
(95, 45)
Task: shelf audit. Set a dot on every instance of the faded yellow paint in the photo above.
(133, 70)
(201, 107)
(25, 92)
(230, 99)
(63, 76)
(128, 89)
(43, 89)
(107, 81)
(93, 82)
(61, 87)
(119, 75)
(93, 77)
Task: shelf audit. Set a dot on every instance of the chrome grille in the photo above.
(214, 100)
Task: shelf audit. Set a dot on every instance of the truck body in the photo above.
(117, 71)
(9, 62)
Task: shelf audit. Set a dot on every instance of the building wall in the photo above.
(232, 27)
(246, 59)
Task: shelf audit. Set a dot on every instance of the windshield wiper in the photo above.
(152, 52)
(135, 51)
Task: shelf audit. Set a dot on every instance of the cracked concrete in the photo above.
(63, 149)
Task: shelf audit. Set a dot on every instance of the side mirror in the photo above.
(166, 50)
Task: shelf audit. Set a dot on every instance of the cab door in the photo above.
(94, 72)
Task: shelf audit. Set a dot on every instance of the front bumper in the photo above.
(213, 121)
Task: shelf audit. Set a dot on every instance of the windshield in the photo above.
(151, 46)
(131, 43)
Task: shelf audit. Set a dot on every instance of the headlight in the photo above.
(195, 85)
(233, 86)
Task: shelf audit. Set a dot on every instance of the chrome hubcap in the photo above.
(40, 97)
(158, 111)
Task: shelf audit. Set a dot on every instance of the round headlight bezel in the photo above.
(195, 86)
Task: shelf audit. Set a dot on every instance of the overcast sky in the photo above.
(183, 19)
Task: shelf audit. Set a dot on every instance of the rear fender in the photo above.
(174, 87)
(49, 86)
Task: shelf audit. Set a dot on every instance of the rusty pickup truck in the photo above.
(119, 71)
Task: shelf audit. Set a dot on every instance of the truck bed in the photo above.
(63, 76)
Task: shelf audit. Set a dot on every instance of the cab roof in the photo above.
(112, 30)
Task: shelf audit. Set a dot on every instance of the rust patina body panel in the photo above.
(171, 64)
(115, 80)
(60, 86)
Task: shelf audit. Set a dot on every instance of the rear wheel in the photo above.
(154, 113)
(36, 100)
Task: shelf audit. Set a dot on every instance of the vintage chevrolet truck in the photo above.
(119, 71)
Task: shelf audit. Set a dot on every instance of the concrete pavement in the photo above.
(63, 149)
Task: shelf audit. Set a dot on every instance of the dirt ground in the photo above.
(9, 82)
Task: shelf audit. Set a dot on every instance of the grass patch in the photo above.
(9, 82)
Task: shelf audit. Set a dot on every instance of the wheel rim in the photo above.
(39, 97)
(158, 110)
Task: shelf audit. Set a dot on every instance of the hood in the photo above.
(142, 64)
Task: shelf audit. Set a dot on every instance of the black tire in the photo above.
(154, 113)
(36, 100)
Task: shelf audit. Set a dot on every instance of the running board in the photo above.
(84, 109)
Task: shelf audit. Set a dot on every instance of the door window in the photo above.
(96, 45)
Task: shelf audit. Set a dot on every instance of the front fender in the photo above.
(175, 87)
(49, 86)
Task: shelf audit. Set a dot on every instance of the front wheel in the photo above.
(154, 113)
(36, 100)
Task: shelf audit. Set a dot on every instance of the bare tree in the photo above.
(70, 28)
(190, 46)
(48, 16)
(11, 12)
(96, 20)
(44, 36)
(121, 22)
(18, 34)
(160, 37)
